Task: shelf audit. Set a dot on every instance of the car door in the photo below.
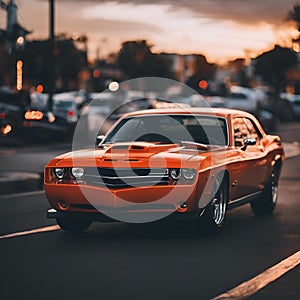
(249, 168)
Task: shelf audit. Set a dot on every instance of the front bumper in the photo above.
(86, 198)
(101, 217)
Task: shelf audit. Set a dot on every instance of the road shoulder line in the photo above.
(33, 231)
(255, 284)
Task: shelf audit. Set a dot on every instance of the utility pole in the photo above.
(52, 62)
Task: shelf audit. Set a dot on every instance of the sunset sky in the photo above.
(219, 29)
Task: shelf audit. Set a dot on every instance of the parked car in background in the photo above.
(65, 106)
(215, 101)
(242, 98)
(263, 94)
(292, 105)
(11, 119)
(195, 100)
(98, 109)
(11, 113)
(263, 113)
(175, 163)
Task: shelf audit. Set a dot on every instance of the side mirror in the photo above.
(248, 142)
(99, 139)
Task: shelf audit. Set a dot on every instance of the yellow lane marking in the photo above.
(253, 285)
(33, 231)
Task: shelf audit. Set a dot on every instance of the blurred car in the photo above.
(263, 94)
(65, 106)
(141, 104)
(11, 113)
(242, 98)
(187, 164)
(267, 119)
(11, 119)
(97, 110)
(215, 101)
(292, 107)
(263, 113)
(195, 100)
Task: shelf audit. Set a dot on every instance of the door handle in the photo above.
(235, 183)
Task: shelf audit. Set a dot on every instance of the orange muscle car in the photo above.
(171, 163)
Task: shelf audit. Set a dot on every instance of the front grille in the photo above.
(127, 177)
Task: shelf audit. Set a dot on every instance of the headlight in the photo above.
(77, 172)
(174, 173)
(59, 172)
(188, 174)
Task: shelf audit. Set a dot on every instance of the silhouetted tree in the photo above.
(272, 65)
(204, 71)
(294, 15)
(136, 59)
(238, 72)
(68, 62)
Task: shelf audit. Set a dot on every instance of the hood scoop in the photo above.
(137, 146)
(131, 159)
(133, 152)
(117, 147)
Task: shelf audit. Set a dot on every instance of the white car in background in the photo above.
(242, 98)
(66, 106)
(98, 109)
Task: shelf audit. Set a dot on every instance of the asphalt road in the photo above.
(153, 261)
(150, 261)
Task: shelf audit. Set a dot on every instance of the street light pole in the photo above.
(52, 63)
(51, 17)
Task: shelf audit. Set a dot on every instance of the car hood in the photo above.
(137, 154)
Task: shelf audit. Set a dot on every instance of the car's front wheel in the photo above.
(72, 225)
(213, 217)
(265, 204)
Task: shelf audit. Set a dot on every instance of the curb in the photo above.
(12, 182)
(291, 149)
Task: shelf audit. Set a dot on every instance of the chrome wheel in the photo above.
(219, 204)
(274, 189)
(214, 214)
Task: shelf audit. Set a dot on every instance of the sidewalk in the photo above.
(19, 182)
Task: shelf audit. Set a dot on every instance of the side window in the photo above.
(252, 128)
(241, 131)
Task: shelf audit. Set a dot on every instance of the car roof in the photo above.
(220, 112)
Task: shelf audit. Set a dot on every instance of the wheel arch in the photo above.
(277, 167)
(227, 180)
(225, 175)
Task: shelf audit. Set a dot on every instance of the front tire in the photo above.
(214, 215)
(266, 203)
(72, 225)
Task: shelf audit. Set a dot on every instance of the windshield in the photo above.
(167, 129)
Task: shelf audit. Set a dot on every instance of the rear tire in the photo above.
(266, 203)
(72, 225)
